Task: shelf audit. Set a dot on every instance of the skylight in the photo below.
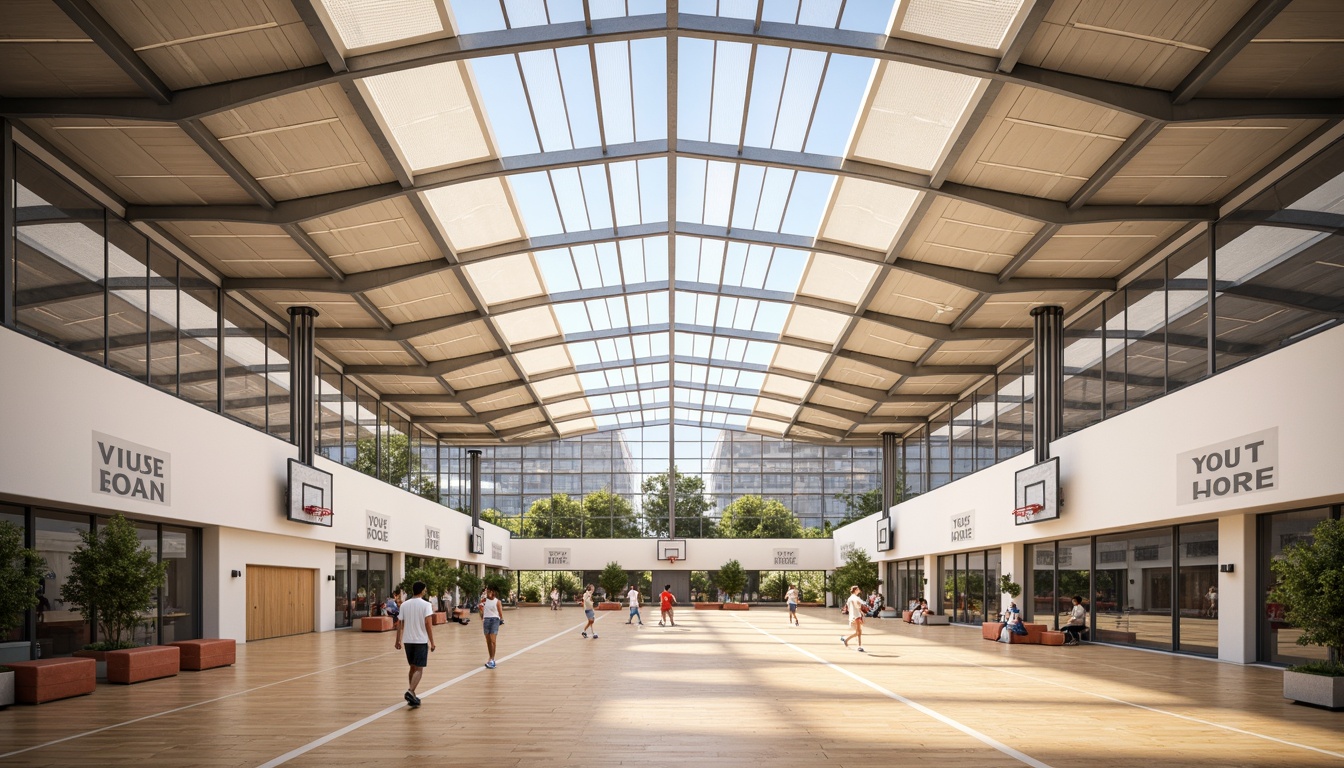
(431, 115)
(914, 114)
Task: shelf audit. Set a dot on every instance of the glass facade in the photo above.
(363, 581)
(1277, 637)
(905, 582)
(58, 629)
(969, 586)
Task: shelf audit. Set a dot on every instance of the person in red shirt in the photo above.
(666, 600)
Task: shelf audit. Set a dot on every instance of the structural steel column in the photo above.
(1048, 325)
(474, 462)
(302, 396)
(891, 470)
(8, 202)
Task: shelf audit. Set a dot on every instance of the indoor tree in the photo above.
(113, 580)
(20, 577)
(470, 585)
(693, 507)
(1311, 589)
(858, 570)
(614, 580)
(732, 579)
(502, 583)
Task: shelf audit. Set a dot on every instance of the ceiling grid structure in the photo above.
(815, 220)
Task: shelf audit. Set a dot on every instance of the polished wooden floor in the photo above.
(721, 688)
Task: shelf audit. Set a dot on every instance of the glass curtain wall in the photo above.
(905, 582)
(363, 580)
(969, 585)
(1279, 531)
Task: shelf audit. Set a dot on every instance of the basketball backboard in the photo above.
(670, 548)
(308, 489)
(1038, 484)
(476, 544)
(885, 541)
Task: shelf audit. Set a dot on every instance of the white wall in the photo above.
(222, 474)
(701, 554)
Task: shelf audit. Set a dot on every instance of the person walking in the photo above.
(588, 611)
(415, 632)
(633, 597)
(555, 598)
(855, 606)
(791, 597)
(492, 615)
(666, 600)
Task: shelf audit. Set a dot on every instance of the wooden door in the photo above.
(280, 601)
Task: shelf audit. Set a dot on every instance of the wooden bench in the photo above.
(207, 653)
(1050, 637)
(45, 680)
(377, 624)
(937, 620)
(439, 617)
(990, 631)
(136, 665)
(736, 607)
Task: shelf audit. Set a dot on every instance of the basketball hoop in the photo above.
(1027, 511)
(671, 560)
(316, 511)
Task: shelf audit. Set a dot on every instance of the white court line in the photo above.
(944, 719)
(336, 734)
(1145, 707)
(190, 706)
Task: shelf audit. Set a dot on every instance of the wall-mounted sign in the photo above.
(1247, 464)
(557, 558)
(376, 528)
(786, 557)
(496, 551)
(127, 470)
(432, 538)
(963, 527)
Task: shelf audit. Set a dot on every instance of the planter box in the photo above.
(98, 656)
(439, 617)
(608, 606)
(736, 607)
(16, 651)
(708, 606)
(7, 688)
(1319, 690)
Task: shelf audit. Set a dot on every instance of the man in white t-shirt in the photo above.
(633, 597)
(587, 601)
(415, 630)
(791, 597)
(855, 606)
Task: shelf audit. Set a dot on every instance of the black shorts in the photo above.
(417, 654)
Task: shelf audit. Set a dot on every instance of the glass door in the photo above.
(342, 587)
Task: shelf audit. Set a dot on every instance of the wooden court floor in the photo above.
(719, 689)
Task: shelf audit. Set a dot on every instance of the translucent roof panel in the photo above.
(625, 349)
(549, 100)
(977, 23)
(703, 347)
(492, 15)
(592, 197)
(431, 115)
(721, 194)
(604, 265)
(816, 325)
(773, 101)
(535, 362)
(369, 23)
(837, 278)
(628, 376)
(763, 267)
(866, 16)
(474, 214)
(914, 115)
(612, 313)
(505, 279)
(730, 313)
(868, 214)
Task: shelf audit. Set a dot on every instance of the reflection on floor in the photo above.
(720, 688)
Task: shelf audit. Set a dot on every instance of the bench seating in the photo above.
(207, 653)
(1050, 637)
(439, 617)
(377, 624)
(990, 631)
(136, 665)
(45, 680)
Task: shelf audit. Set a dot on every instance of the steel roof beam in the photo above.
(1245, 30)
(912, 370)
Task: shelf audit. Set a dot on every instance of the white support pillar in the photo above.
(1014, 564)
(1238, 590)
(931, 581)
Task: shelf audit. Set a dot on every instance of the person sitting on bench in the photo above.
(918, 615)
(1077, 625)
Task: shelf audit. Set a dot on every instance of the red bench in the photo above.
(208, 653)
(50, 679)
(376, 624)
(439, 617)
(990, 631)
(136, 665)
(1050, 637)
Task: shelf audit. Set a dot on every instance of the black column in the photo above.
(8, 202)
(1049, 374)
(474, 460)
(302, 397)
(891, 470)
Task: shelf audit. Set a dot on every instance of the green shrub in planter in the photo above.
(114, 578)
(1311, 590)
(732, 579)
(614, 580)
(20, 578)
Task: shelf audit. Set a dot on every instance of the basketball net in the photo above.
(672, 560)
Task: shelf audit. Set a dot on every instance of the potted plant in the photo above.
(732, 579)
(20, 578)
(1311, 589)
(614, 580)
(115, 580)
(1009, 587)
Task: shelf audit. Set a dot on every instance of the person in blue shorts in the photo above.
(633, 597)
(492, 615)
(792, 599)
(588, 611)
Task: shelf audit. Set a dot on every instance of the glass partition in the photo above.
(1197, 588)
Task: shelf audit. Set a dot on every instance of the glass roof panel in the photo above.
(535, 362)
(500, 83)
(430, 113)
(872, 16)
(364, 23)
(838, 278)
(527, 325)
(474, 214)
(560, 386)
(868, 214)
(817, 324)
(505, 279)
